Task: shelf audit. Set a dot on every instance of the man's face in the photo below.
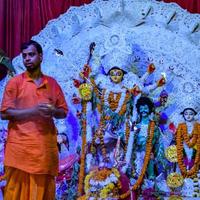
(144, 110)
(31, 58)
(189, 115)
(116, 75)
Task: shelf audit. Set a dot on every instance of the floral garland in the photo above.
(92, 148)
(82, 166)
(127, 134)
(101, 104)
(103, 149)
(119, 105)
(191, 141)
(99, 134)
(151, 129)
(113, 102)
(102, 183)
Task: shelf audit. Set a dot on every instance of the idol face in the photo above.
(189, 115)
(116, 75)
(163, 100)
(144, 110)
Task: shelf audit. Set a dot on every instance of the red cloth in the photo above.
(32, 143)
(20, 20)
(192, 6)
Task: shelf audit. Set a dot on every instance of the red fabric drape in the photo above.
(21, 19)
(192, 6)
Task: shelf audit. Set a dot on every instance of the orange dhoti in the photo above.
(25, 186)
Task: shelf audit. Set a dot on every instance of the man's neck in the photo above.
(36, 74)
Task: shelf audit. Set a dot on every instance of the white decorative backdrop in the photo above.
(150, 31)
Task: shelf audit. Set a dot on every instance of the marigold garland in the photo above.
(113, 102)
(82, 198)
(124, 105)
(101, 136)
(92, 148)
(104, 192)
(98, 133)
(107, 181)
(127, 134)
(151, 129)
(191, 141)
(82, 166)
(174, 197)
(101, 104)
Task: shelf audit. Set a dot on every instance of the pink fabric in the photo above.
(188, 162)
(125, 187)
(67, 163)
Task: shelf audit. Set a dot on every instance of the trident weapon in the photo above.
(91, 50)
(92, 47)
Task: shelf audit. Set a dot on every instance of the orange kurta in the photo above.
(32, 143)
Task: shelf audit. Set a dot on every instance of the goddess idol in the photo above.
(185, 152)
(108, 110)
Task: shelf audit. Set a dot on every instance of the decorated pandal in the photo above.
(130, 73)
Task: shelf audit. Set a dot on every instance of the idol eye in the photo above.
(111, 73)
(119, 73)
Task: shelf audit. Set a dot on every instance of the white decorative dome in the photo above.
(151, 31)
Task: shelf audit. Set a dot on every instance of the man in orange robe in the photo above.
(31, 100)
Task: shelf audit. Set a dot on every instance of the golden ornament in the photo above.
(171, 153)
(85, 91)
(174, 197)
(174, 180)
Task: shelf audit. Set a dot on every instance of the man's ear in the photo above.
(41, 57)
